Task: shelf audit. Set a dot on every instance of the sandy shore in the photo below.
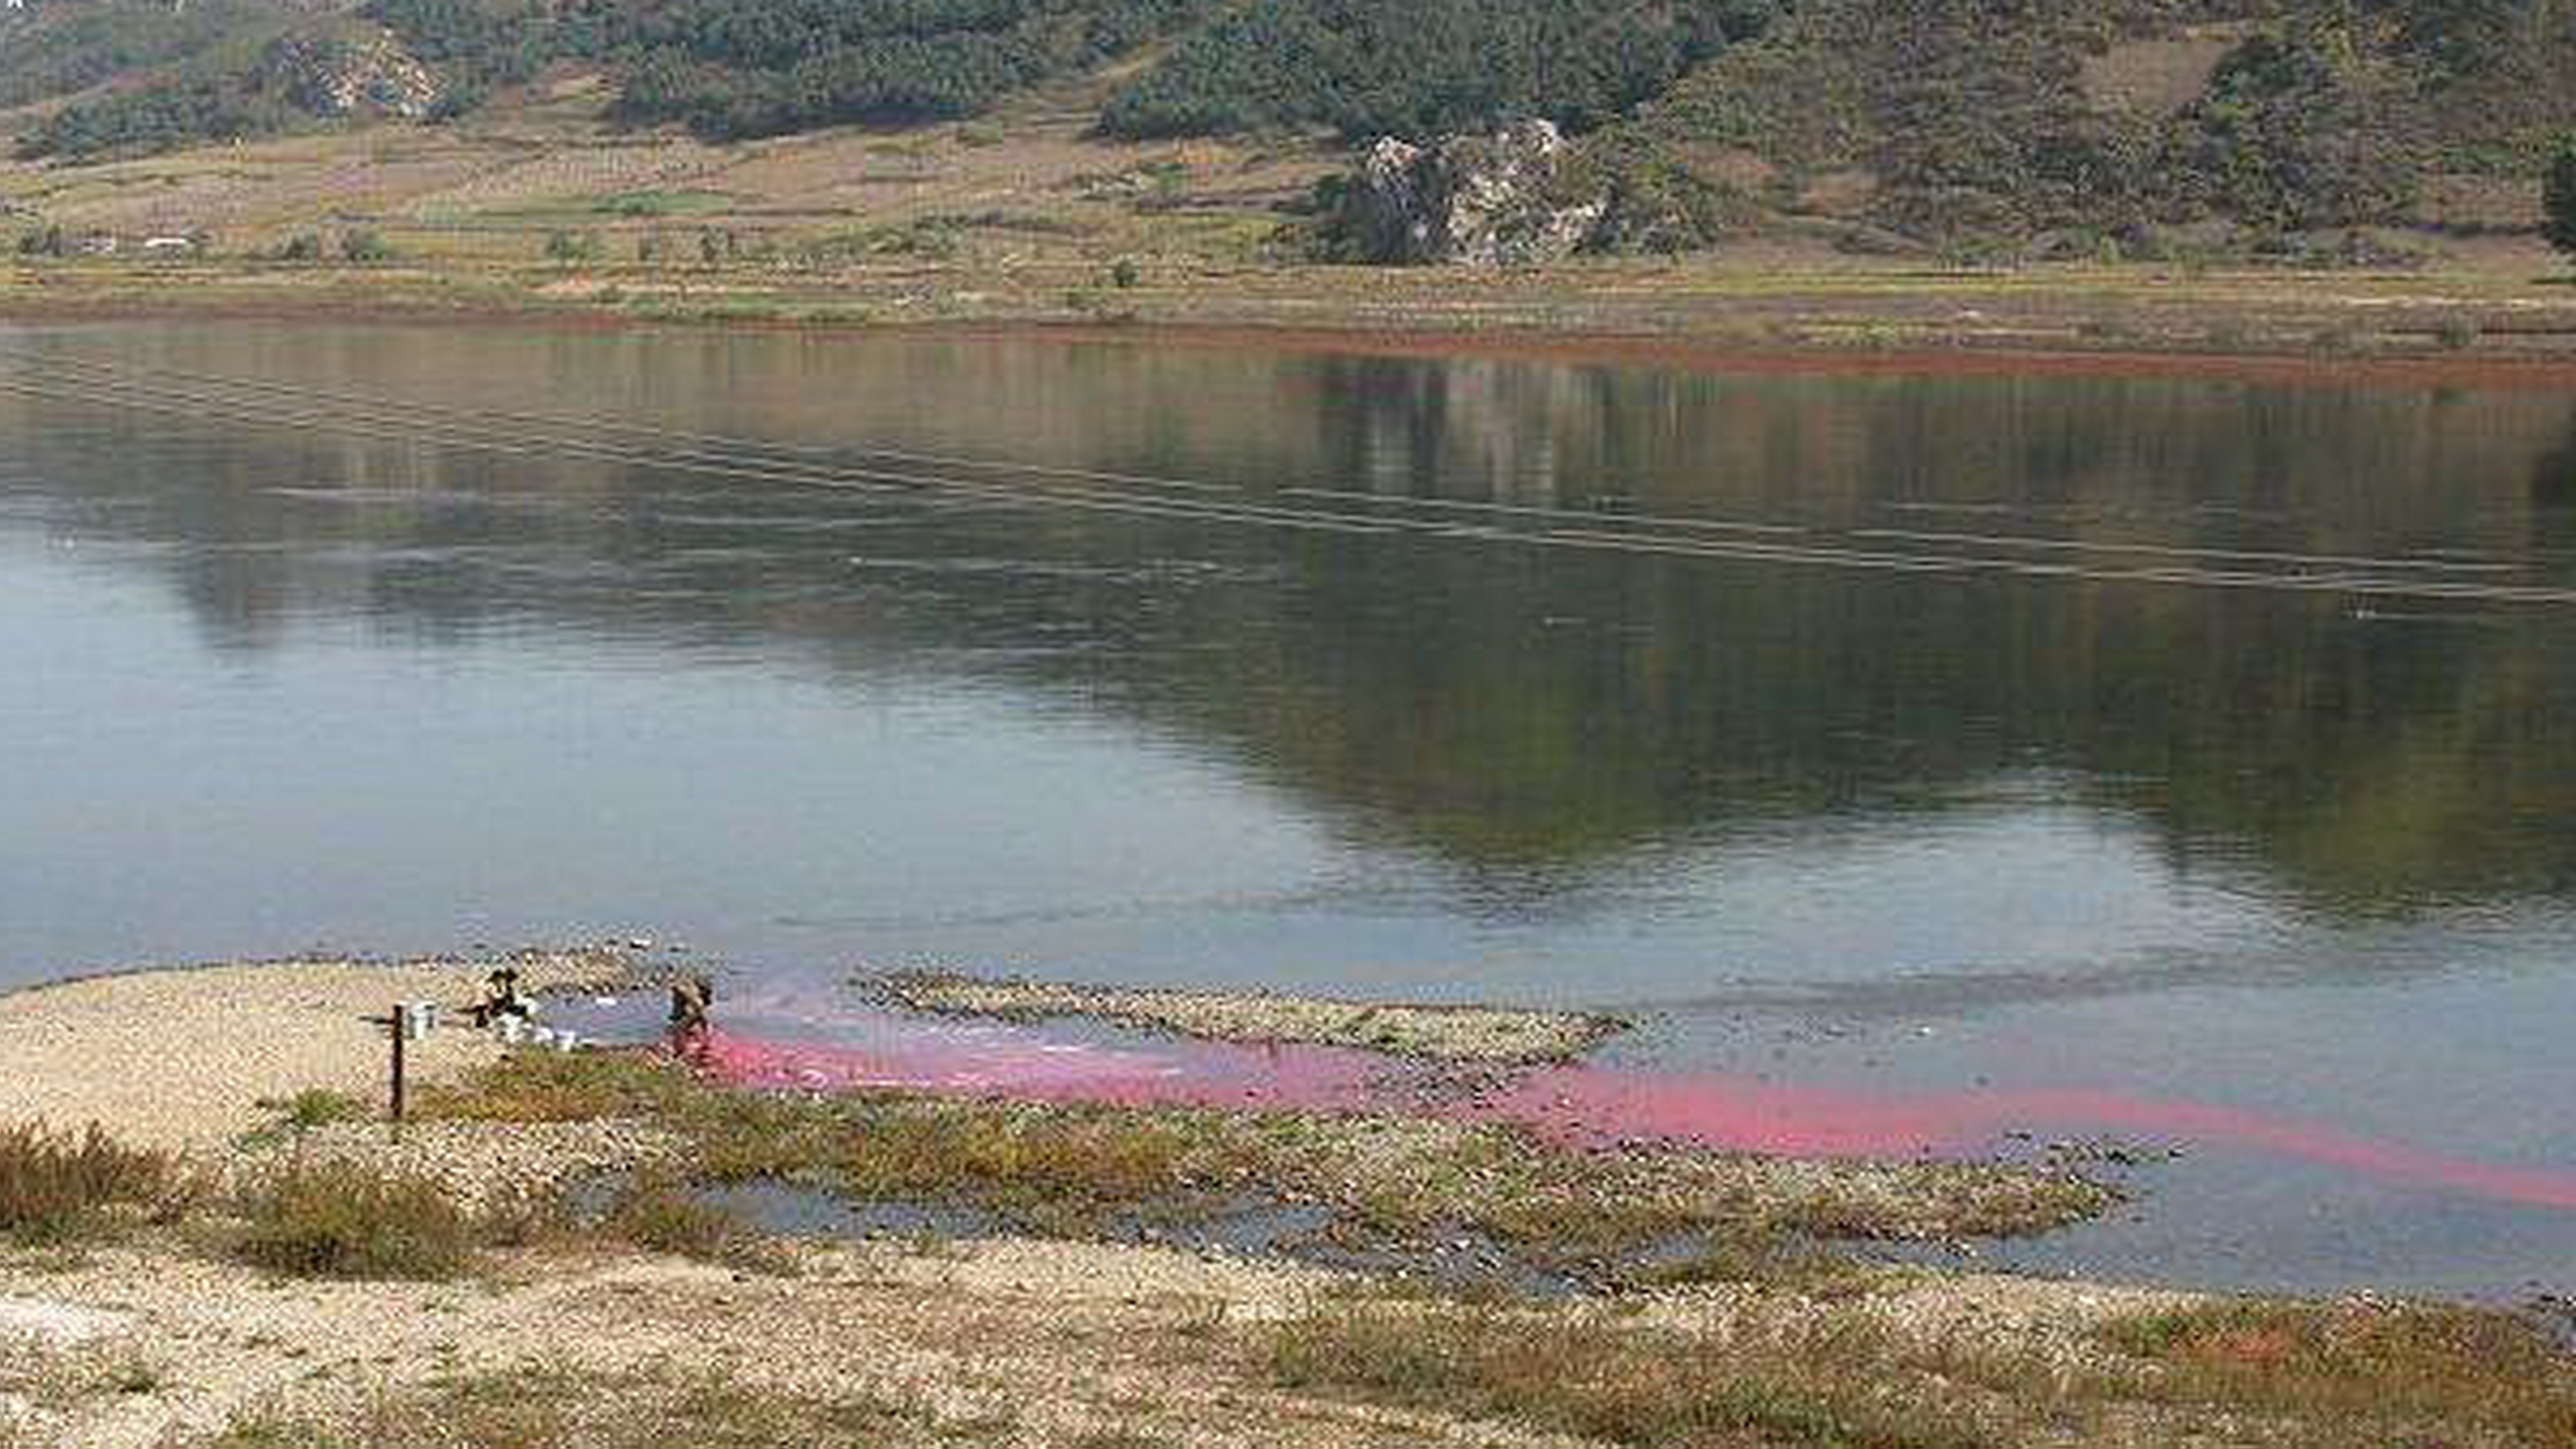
(993, 1342)
(181, 1059)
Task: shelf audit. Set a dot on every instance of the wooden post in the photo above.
(399, 1033)
(393, 1021)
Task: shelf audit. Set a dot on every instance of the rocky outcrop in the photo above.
(352, 76)
(1513, 198)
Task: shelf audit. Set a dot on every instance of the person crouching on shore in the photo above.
(693, 999)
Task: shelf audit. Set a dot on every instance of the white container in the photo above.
(512, 1029)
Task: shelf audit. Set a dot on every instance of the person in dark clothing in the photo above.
(502, 999)
(693, 1000)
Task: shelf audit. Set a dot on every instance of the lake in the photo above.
(2040, 742)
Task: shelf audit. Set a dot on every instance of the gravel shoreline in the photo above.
(1482, 1035)
(180, 1059)
(160, 1340)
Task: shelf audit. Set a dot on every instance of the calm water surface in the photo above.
(1898, 737)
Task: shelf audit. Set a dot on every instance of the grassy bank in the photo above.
(1380, 1183)
(1713, 307)
(528, 1325)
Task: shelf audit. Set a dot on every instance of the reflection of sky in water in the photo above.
(807, 742)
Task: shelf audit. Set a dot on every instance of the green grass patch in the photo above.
(2381, 1374)
(1610, 1383)
(656, 1211)
(554, 1410)
(314, 1107)
(1074, 1170)
(643, 204)
(339, 1220)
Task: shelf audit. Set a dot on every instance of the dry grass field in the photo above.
(1028, 182)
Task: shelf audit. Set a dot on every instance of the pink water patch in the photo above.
(1587, 1103)
(1748, 1115)
(1017, 1065)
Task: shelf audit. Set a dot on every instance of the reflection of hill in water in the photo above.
(1497, 705)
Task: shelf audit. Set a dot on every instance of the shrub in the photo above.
(364, 245)
(59, 1186)
(301, 247)
(338, 1220)
(571, 246)
(2558, 199)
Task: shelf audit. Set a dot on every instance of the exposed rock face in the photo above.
(371, 76)
(1509, 199)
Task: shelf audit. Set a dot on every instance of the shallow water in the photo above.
(2004, 747)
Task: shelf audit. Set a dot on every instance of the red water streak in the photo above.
(1591, 1104)
(1187, 1075)
(1755, 1116)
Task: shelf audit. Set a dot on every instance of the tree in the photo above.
(2558, 199)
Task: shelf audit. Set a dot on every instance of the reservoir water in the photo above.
(1979, 760)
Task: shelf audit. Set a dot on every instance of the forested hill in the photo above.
(2088, 121)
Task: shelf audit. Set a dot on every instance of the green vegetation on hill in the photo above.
(2558, 200)
(155, 75)
(58, 49)
(2311, 128)
(165, 82)
(1369, 68)
(2025, 127)
(1997, 121)
(206, 107)
(762, 67)
(479, 46)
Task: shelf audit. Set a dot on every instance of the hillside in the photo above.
(2315, 130)
(2122, 125)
